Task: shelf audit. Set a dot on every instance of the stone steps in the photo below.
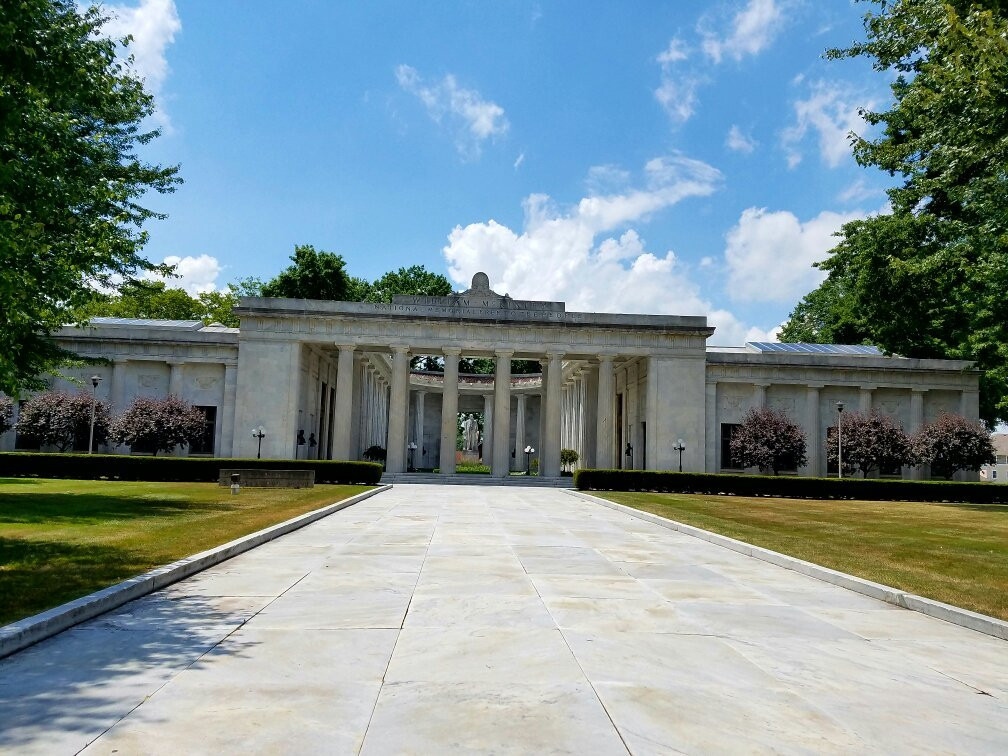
(477, 480)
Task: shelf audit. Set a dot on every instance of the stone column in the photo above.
(815, 439)
(651, 442)
(502, 412)
(543, 405)
(551, 448)
(604, 414)
(175, 381)
(759, 395)
(227, 411)
(916, 421)
(343, 411)
(710, 412)
(519, 457)
(117, 395)
(449, 410)
(633, 404)
(419, 432)
(866, 400)
(488, 428)
(358, 407)
(176, 388)
(395, 461)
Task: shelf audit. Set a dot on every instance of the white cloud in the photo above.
(584, 254)
(677, 91)
(194, 274)
(831, 110)
(738, 141)
(473, 119)
(153, 24)
(519, 160)
(769, 255)
(751, 30)
(607, 179)
(859, 191)
(675, 52)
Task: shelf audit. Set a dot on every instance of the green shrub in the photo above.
(187, 469)
(790, 487)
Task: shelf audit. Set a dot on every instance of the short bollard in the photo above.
(235, 487)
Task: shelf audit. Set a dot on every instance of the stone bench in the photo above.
(269, 478)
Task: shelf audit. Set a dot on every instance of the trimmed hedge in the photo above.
(790, 486)
(186, 469)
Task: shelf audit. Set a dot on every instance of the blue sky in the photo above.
(680, 157)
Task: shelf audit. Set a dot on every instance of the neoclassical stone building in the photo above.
(622, 390)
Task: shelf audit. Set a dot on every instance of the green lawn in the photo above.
(61, 539)
(956, 553)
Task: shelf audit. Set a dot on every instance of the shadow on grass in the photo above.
(66, 508)
(59, 695)
(38, 575)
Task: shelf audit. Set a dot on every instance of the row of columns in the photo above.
(387, 406)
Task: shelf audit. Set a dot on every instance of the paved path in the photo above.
(454, 619)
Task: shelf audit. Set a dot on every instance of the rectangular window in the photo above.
(993, 474)
(728, 460)
(23, 441)
(205, 444)
(1002, 459)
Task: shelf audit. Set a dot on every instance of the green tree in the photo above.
(153, 299)
(313, 275)
(72, 119)
(414, 280)
(927, 279)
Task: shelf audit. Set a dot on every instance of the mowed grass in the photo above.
(61, 539)
(956, 553)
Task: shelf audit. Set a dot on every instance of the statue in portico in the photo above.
(470, 433)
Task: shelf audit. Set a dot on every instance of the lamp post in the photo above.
(629, 454)
(529, 451)
(95, 380)
(259, 433)
(680, 446)
(412, 448)
(839, 438)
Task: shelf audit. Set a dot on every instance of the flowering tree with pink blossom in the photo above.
(157, 425)
(952, 443)
(769, 440)
(870, 442)
(61, 419)
(6, 414)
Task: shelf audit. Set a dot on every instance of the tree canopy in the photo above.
(927, 279)
(312, 275)
(72, 118)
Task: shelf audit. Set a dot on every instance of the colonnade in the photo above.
(381, 408)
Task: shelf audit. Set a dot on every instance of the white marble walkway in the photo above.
(455, 619)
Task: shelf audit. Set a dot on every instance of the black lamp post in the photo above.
(680, 446)
(95, 380)
(839, 438)
(629, 454)
(529, 451)
(259, 433)
(412, 448)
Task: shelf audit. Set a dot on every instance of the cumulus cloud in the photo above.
(831, 111)
(751, 30)
(858, 192)
(586, 256)
(737, 141)
(153, 25)
(194, 274)
(472, 119)
(769, 255)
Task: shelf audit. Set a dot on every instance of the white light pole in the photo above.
(839, 438)
(680, 446)
(95, 380)
(259, 433)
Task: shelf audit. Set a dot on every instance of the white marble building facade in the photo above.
(618, 389)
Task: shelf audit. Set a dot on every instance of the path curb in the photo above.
(971, 620)
(31, 630)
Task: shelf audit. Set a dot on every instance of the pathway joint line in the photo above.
(31, 630)
(955, 615)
